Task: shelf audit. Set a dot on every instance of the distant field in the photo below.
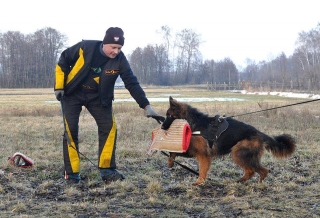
(31, 123)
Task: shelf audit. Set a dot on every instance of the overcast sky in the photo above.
(238, 29)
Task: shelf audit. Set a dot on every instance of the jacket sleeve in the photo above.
(66, 61)
(131, 83)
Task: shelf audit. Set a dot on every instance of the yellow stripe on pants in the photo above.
(106, 154)
(72, 152)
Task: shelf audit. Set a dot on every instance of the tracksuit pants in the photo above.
(107, 129)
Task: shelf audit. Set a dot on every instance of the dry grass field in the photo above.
(31, 123)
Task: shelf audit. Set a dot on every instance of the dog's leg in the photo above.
(248, 174)
(247, 155)
(200, 149)
(204, 166)
(171, 159)
(263, 172)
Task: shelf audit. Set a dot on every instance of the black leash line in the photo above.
(183, 166)
(303, 102)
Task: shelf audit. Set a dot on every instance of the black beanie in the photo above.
(114, 35)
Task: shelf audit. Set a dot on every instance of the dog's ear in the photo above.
(173, 103)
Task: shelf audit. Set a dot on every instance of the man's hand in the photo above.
(151, 113)
(59, 94)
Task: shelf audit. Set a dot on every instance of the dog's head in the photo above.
(177, 110)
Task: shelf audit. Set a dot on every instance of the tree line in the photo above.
(28, 61)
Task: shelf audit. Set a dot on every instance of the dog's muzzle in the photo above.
(167, 122)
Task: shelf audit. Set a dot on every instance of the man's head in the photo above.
(114, 35)
(113, 42)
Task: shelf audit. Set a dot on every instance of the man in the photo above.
(85, 76)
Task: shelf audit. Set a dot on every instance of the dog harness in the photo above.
(218, 124)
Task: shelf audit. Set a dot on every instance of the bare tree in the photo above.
(136, 63)
(46, 44)
(167, 37)
(281, 65)
(162, 65)
(12, 50)
(188, 42)
(308, 54)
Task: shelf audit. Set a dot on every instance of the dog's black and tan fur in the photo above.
(245, 143)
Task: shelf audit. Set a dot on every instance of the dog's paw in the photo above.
(170, 162)
(200, 181)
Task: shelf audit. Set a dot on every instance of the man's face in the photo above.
(111, 50)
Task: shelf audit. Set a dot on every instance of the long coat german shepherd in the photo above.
(245, 143)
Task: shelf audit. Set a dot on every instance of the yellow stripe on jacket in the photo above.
(79, 64)
(59, 84)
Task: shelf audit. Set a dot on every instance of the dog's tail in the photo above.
(283, 146)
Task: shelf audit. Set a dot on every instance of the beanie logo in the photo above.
(116, 38)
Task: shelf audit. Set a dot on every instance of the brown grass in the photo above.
(30, 122)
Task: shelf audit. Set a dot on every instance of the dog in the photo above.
(244, 142)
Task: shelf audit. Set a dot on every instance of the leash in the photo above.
(183, 166)
(67, 138)
(303, 102)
